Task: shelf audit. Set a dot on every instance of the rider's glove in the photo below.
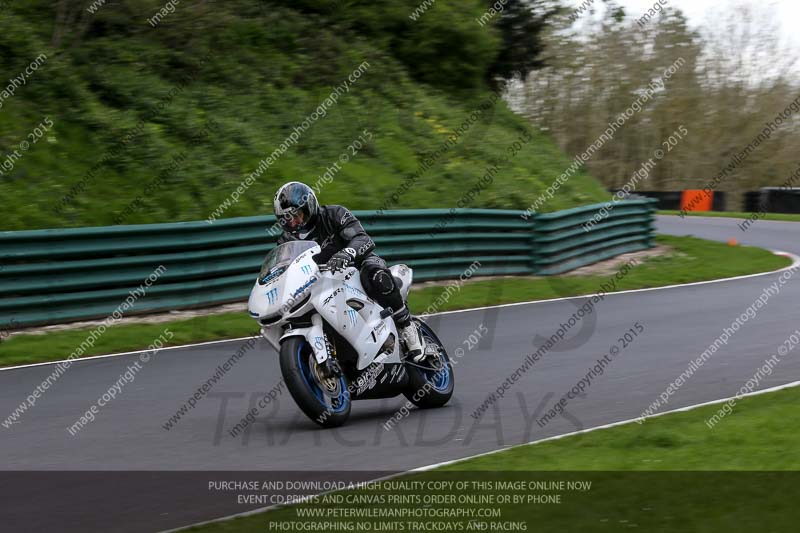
(341, 259)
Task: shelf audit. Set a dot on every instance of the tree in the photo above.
(732, 79)
(521, 25)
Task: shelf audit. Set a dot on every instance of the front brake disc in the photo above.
(330, 386)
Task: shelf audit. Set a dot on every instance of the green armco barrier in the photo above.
(562, 241)
(54, 276)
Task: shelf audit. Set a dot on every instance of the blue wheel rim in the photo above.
(337, 404)
(438, 378)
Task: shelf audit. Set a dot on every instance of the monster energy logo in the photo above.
(272, 295)
(352, 314)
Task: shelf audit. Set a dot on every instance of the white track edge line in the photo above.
(795, 263)
(789, 385)
(80, 359)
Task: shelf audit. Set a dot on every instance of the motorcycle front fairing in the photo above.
(292, 297)
(341, 301)
(282, 291)
(290, 285)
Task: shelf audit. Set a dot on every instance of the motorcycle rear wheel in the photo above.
(431, 382)
(325, 401)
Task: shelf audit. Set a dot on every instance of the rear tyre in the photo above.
(431, 382)
(325, 401)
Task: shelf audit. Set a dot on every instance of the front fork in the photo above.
(316, 338)
(314, 335)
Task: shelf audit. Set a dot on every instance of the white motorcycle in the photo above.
(336, 344)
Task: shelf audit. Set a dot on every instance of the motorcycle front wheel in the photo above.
(326, 401)
(431, 382)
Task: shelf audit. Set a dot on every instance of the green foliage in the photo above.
(268, 67)
(521, 24)
(442, 45)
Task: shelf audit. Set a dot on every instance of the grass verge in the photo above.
(790, 217)
(154, 112)
(690, 260)
(669, 474)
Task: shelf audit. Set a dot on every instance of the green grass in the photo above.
(755, 437)
(272, 64)
(669, 474)
(690, 260)
(59, 345)
(791, 217)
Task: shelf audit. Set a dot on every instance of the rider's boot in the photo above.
(410, 335)
(415, 344)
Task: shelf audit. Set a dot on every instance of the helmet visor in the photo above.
(294, 219)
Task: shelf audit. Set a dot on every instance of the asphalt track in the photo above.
(127, 435)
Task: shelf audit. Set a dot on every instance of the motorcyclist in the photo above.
(343, 241)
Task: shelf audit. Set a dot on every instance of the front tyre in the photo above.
(431, 382)
(325, 401)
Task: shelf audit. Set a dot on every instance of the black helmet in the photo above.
(296, 208)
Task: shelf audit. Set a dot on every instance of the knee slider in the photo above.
(383, 282)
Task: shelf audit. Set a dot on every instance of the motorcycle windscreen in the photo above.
(276, 261)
